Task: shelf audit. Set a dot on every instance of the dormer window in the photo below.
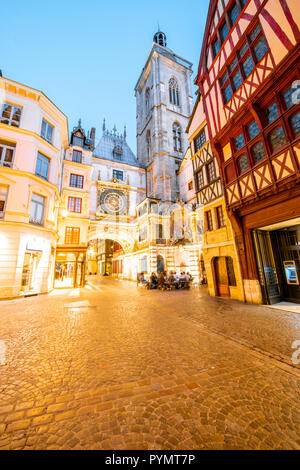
(77, 141)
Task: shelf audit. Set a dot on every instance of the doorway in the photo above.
(160, 264)
(29, 271)
(224, 275)
(278, 262)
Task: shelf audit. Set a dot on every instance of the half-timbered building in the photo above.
(219, 263)
(249, 80)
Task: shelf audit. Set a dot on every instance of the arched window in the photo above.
(147, 101)
(148, 144)
(177, 137)
(174, 92)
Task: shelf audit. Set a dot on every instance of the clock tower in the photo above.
(164, 105)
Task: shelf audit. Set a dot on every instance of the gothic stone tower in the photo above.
(164, 105)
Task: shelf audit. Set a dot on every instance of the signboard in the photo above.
(291, 273)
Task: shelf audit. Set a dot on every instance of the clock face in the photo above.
(113, 201)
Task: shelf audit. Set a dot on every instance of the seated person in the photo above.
(153, 281)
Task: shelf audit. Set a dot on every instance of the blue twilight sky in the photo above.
(86, 56)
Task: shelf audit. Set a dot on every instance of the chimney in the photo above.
(92, 136)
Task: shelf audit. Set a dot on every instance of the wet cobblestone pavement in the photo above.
(114, 366)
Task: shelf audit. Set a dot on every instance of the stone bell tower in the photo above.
(164, 105)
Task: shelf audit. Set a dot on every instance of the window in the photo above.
(7, 151)
(239, 142)
(3, 197)
(272, 113)
(144, 264)
(234, 14)
(251, 52)
(118, 174)
(215, 47)
(209, 220)
(74, 204)
(77, 141)
(72, 235)
(260, 49)
(77, 156)
(37, 208)
(148, 144)
(159, 232)
(190, 186)
(253, 130)
(143, 233)
(200, 140)
(295, 122)
(47, 131)
(76, 181)
(243, 163)
(258, 151)
(11, 115)
(42, 166)
(176, 137)
(147, 101)
(211, 172)
(287, 96)
(200, 179)
(277, 138)
(220, 217)
(223, 32)
(174, 92)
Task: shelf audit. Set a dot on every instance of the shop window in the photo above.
(37, 208)
(77, 156)
(47, 131)
(11, 115)
(295, 123)
(258, 152)
(7, 152)
(76, 181)
(72, 235)
(74, 204)
(277, 138)
(42, 166)
(3, 199)
(243, 163)
(209, 221)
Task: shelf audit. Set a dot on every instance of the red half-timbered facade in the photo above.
(249, 78)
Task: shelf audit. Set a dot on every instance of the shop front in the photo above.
(277, 250)
(69, 267)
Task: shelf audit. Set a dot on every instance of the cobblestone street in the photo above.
(113, 366)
